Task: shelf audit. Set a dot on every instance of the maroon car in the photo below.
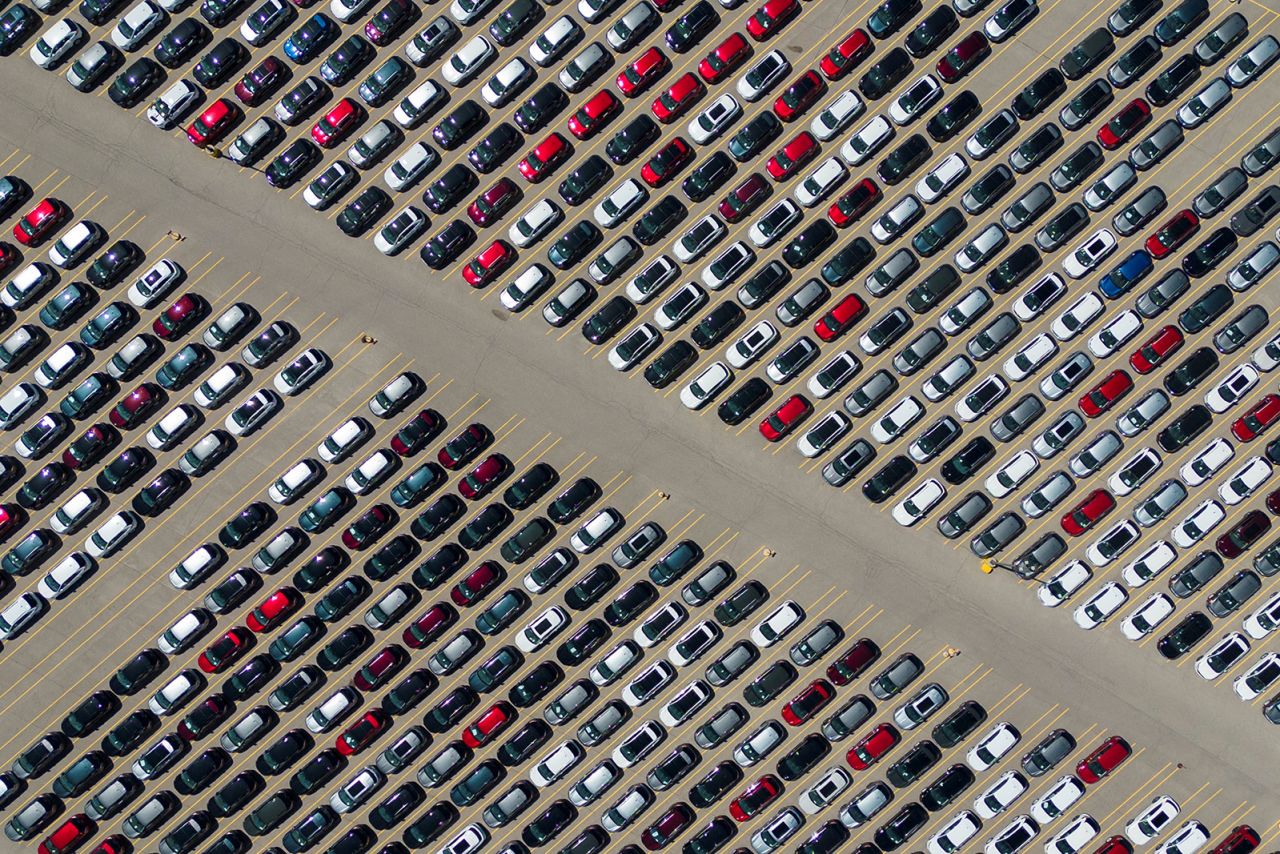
(477, 585)
(431, 625)
(464, 447)
(484, 477)
(745, 197)
(137, 406)
(417, 432)
(669, 825)
(853, 662)
(964, 57)
(179, 317)
(90, 446)
(379, 670)
(494, 203)
(259, 82)
(366, 530)
(1244, 534)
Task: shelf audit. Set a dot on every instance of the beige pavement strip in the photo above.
(161, 239)
(137, 222)
(35, 189)
(755, 559)
(1232, 818)
(532, 447)
(94, 620)
(614, 491)
(124, 219)
(464, 405)
(212, 267)
(998, 706)
(890, 646)
(681, 529)
(712, 542)
(22, 162)
(12, 154)
(711, 553)
(1154, 782)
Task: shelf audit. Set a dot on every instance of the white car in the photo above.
(714, 119)
(112, 535)
(774, 223)
(251, 413)
(1031, 357)
(1188, 839)
(897, 420)
(625, 200)
(892, 223)
(1012, 474)
(56, 42)
(679, 305)
(1207, 463)
(917, 505)
(1000, 795)
(777, 625)
(1154, 560)
(819, 183)
(615, 663)
(412, 109)
(1260, 676)
(1198, 523)
(918, 97)
(346, 11)
(1267, 357)
(1089, 254)
(761, 77)
(686, 702)
(837, 116)
(985, 394)
(1063, 583)
(1265, 619)
(557, 763)
(943, 178)
(468, 61)
(596, 530)
(634, 346)
(137, 25)
(1078, 833)
(699, 238)
(507, 82)
(982, 248)
(1099, 607)
(1076, 317)
(1246, 480)
(1147, 616)
(535, 223)
(594, 783)
(370, 473)
(867, 140)
(1115, 334)
(955, 834)
(713, 379)
(1232, 388)
(832, 376)
(555, 40)
(1055, 802)
(1014, 837)
(149, 288)
(648, 683)
(542, 628)
(752, 344)
(1213, 96)
(1222, 655)
(728, 265)
(1001, 738)
(297, 376)
(825, 790)
(659, 624)
(824, 433)
(1152, 820)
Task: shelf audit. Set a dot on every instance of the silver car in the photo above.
(871, 393)
(1204, 104)
(1263, 155)
(960, 519)
(922, 349)
(946, 381)
(1027, 207)
(1215, 198)
(1054, 438)
(1144, 413)
(1254, 268)
(994, 336)
(1253, 62)
(1242, 329)
(1096, 454)
(1160, 503)
(1139, 212)
(1215, 44)
(1157, 145)
(1048, 494)
(1104, 191)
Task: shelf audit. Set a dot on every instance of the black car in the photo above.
(91, 713)
(574, 245)
(440, 566)
(451, 709)
(222, 61)
(43, 486)
(722, 320)
(809, 242)
(1209, 253)
(513, 22)
(409, 691)
(886, 74)
(1184, 18)
(135, 82)
(926, 36)
(755, 136)
(524, 743)
(322, 768)
(543, 106)
(314, 826)
(904, 824)
(1014, 268)
(202, 771)
(138, 672)
(1183, 430)
(802, 758)
(692, 27)
(715, 784)
(586, 640)
(891, 16)
(346, 60)
(585, 179)
(672, 362)
(359, 215)
(159, 495)
(904, 160)
(320, 569)
(708, 176)
(547, 826)
(744, 401)
(292, 163)
(1087, 54)
(588, 589)
(98, 12)
(629, 604)
(251, 677)
(890, 478)
(1191, 371)
(954, 116)
(630, 141)
(478, 782)
(1192, 629)
(392, 557)
(1036, 97)
(960, 467)
(609, 319)
(1170, 83)
(235, 794)
(950, 785)
(448, 244)
(344, 648)
(912, 765)
(657, 222)
(495, 148)
(114, 264)
(130, 732)
(397, 806)
(571, 503)
(847, 262)
(453, 185)
(181, 43)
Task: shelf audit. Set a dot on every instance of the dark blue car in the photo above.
(1128, 273)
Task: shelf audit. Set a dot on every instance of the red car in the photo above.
(11, 516)
(1109, 756)
(793, 156)
(725, 58)
(854, 662)
(136, 406)
(334, 125)
(431, 625)
(213, 123)
(854, 204)
(679, 97)
(964, 57)
(808, 702)
(599, 109)
(1104, 395)
(417, 432)
(786, 417)
(544, 158)
(489, 725)
(745, 197)
(1115, 845)
(363, 732)
(643, 72)
(225, 651)
(464, 447)
(873, 747)
(1124, 124)
(1088, 512)
(8, 256)
(1241, 840)
(1156, 350)
(755, 798)
(258, 83)
(41, 221)
(1244, 534)
(366, 530)
(669, 825)
(493, 204)
(179, 317)
(1173, 233)
(802, 94)
(379, 670)
(90, 446)
(667, 162)
(484, 477)
(483, 579)
(273, 610)
(489, 264)
(771, 17)
(1260, 416)
(845, 56)
(842, 315)
(69, 836)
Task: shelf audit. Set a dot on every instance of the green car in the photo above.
(388, 79)
(326, 510)
(88, 397)
(183, 367)
(64, 307)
